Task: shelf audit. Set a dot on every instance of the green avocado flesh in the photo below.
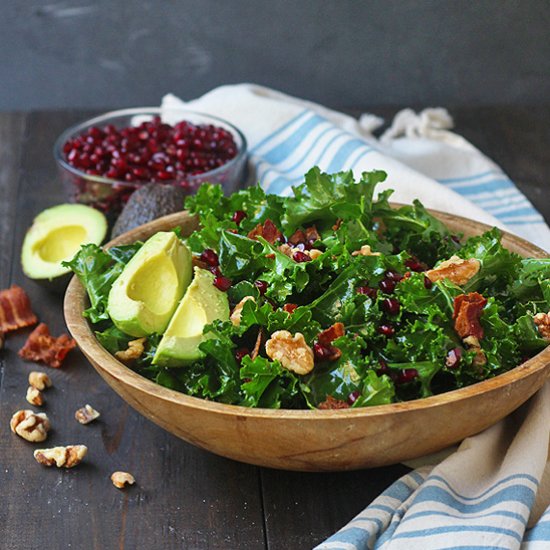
(56, 235)
(144, 297)
(202, 304)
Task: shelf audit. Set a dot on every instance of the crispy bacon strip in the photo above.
(332, 403)
(467, 311)
(257, 345)
(42, 346)
(298, 237)
(330, 334)
(15, 310)
(290, 308)
(267, 231)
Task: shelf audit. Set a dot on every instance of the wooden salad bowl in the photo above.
(314, 440)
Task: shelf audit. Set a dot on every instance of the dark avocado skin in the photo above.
(148, 203)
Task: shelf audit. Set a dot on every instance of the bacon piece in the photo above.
(332, 403)
(42, 346)
(15, 310)
(298, 237)
(312, 234)
(290, 308)
(267, 231)
(467, 311)
(258, 344)
(330, 334)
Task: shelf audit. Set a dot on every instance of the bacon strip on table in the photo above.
(467, 311)
(15, 310)
(267, 231)
(42, 346)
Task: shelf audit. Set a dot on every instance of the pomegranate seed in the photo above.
(455, 238)
(241, 353)
(222, 283)
(238, 216)
(353, 397)
(391, 306)
(427, 282)
(369, 291)
(261, 286)
(407, 375)
(383, 369)
(215, 270)
(321, 352)
(210, 257)
(300, 256)
(387, 285)
(393, 275)
(414, 265)
(453, 358)
(386, 330)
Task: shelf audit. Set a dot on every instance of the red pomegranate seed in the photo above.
(238, 216)
(300, 256)
(215, 270)
(407, 375)
(391, 306)
(241, 353)
(453, 358)
(387, 285)
(369, 291)
(353, 397)
(386, 330)
(210, 257)
(393, 275)
(321, 352)
(261, 286)
(222, 283)
(427, 282)
(414, 265)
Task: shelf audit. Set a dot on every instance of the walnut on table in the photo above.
(39, 380)
(291, 351)
(62, 457)
(30, 426)
(34, 396)
(121, 479)
(86, 414)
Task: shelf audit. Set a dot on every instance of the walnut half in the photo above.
(39, 380)
(135, 351)
(121, 479)
(62, 457)
(238, 310)
(455, 269)
(542, 320)
(31, 426)
(34, 396)
(291, 351)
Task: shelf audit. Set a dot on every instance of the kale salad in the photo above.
(332, 299)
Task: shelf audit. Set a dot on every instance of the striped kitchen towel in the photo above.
(423, 158)
(494, 491)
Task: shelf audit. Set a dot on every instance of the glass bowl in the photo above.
(110, 195)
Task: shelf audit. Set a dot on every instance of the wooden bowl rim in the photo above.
(87, 342)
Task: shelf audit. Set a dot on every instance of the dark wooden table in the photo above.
(184, 497)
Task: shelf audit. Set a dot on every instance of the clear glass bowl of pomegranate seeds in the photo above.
(102, 161)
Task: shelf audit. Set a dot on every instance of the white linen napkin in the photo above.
(484, 494)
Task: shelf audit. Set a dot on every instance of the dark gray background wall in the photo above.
(342, 53)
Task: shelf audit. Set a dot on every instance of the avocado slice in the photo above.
(202, 304)
(147, 292)
(57, 234)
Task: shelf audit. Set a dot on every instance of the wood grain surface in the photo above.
(184, 497)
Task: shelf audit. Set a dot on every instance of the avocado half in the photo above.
(202, 304)
(147, 292)
(57, 234)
